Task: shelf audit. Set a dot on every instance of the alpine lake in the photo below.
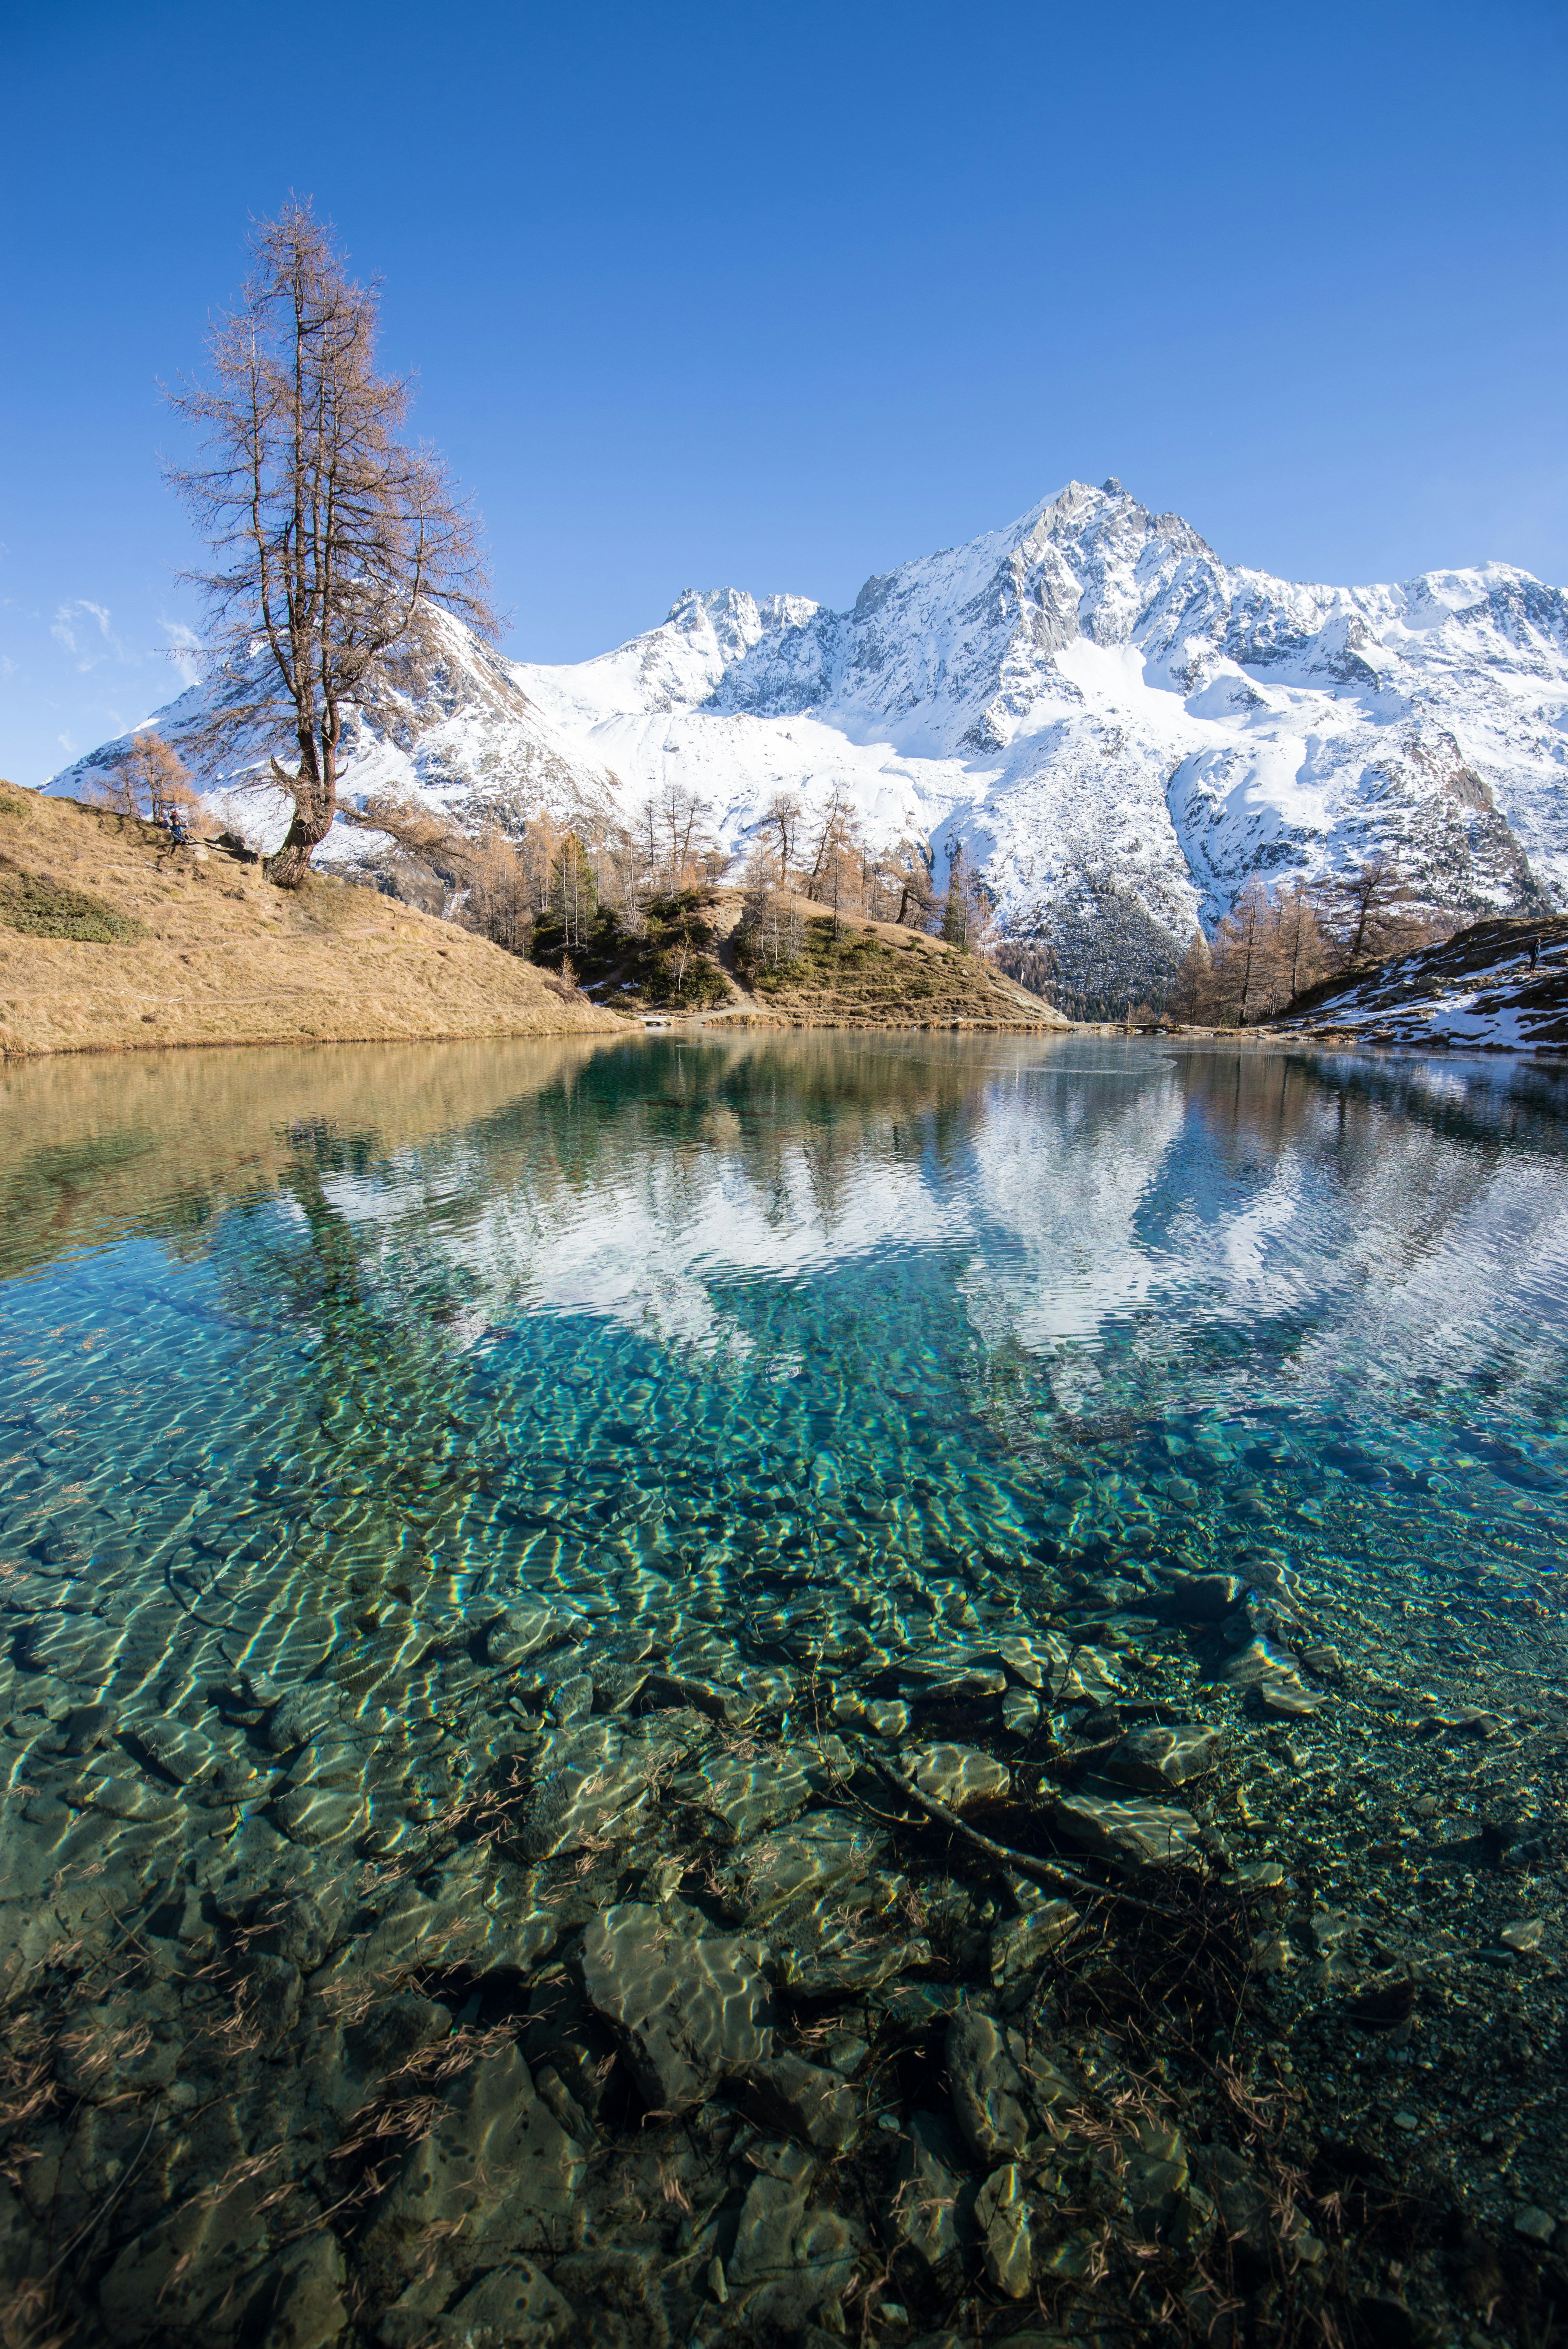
(782, 1689)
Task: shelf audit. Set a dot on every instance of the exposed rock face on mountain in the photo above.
(1116, 727)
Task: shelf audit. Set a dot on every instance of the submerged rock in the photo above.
(515, 2307)
(1152, 2168)
(396, 2030)
(1130, 1834)
(313, 1815)
(790, 2258)
(804, 1861)
(687, 2011)
(182, 1754)
(1020, 1711)
(1242, 2203)
(984, 2064)
(589, 1781)
(818, 1974)
(525, 1632)
(931, 2208)
(886, 1717)
(130, 1798)
(746, 1796)
(1156, 1758)
(303, 2294)
(1266, 1671)
(88, 1726)
(273, 1987)
(812, 2104)
(497, 2167)
(1026, 1939)
(957, 1776)
(1203, 1598)
(1005, 2216)
(195, 2273)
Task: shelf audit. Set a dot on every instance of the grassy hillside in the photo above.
(112, 939)
(692, 956)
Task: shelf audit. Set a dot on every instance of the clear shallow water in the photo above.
(880, 1356)
(809, 1332)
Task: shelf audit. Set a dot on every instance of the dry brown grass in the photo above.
(228, 959)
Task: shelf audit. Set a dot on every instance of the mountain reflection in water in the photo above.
(485, 1310)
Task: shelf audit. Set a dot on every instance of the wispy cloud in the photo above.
(71, 631)
(184, 651)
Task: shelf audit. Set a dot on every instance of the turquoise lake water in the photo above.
(812, 1326)
(495, 1539)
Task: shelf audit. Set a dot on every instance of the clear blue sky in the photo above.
(779, 297)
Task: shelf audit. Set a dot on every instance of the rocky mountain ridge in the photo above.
(1116, 727)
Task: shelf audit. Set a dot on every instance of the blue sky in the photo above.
(779, 297)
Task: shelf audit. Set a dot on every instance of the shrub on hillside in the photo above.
(42, 908)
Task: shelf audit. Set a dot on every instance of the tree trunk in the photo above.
(315, 805)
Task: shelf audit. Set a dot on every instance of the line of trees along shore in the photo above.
(561, 877)
(1275, 944)
(557, 884)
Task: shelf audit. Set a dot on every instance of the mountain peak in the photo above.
(1120, 730)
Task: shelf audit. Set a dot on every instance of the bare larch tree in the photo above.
(334, 541)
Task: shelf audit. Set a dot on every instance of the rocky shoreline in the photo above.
(1030, 1954)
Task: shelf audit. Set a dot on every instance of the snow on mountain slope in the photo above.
(1497, 986)
(1117, 726)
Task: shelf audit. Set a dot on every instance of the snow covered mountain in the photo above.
(1116, 727)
